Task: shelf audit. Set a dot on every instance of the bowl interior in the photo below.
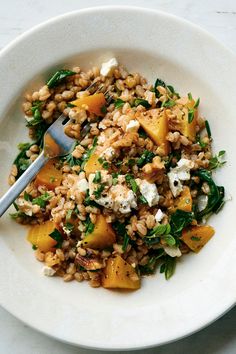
(156, 45)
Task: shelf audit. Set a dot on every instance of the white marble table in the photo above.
(216, 16)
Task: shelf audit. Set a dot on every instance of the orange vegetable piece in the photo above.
(49, 175)
(183, 202)
(155, 124)
(38, 235)
(120, 274)
(186, 128)
(92, 165)
(197, 236)
(102, 236)
(94, 103)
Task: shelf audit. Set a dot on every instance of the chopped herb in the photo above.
(131, 182)
(106, 165)
(160, 231)
(131, 162)
(195, 238)
(142, 102)
(99, 191)
(114, 178)
(69, 214)
(216, 161)
(169, 103)
(190, 115)
(142, 199)
(57, 236)
(162, 268)
(196, 103)
(158, 82)
(172, 90)
(36, 110)
(89, 226)
(179, 220)
(19, 214)
(88, 153)
(208, 129)
(103, 109)
(69, 227)
(98, 177)
(41, 200)
(59, 77)
(125, 242)
(34, 247)
(190, 97)
(200, 142)
(22, 161)
(52, 179)
(119, 103)
(142, 133)
(70, 105)
(147, 156)
(23, 146)
(27, 197)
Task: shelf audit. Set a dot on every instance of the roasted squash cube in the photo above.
(197, 236)
(183, 202)
(155, 124)
(49, 175)
(118, 274)
(38, 235)
(102, 236)
(92, 165)
(94, 103)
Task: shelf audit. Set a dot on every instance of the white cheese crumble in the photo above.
(48, 271)
(180, 173)
(108, 154)
(133, 126)
(172, 251)
(159, 215)
(108, 67)
(148, 191)
(82, 185)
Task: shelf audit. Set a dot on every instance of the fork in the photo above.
(56, 144)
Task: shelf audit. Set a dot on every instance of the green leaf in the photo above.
(169, 103)
(59, 76)
(170, 265)
(69, 214)
(142, 199)
(98, 177)
(22, 161)
(114, 178)
(125, 242)
(99, 191)
(104, 109)
(149, 268)
(179, 220)
(216, 161)
(27, 197)
(215, 196)
(196, 103)
(89, 226)
(208, 129)
(170, 240)
(158, 82)
(190, 97)
(146, 157)
(57, 236)
(160, 231)
(23, 146)
(172, 90)
(42, 199)
(142, 133)
(119, 103)
(195, 238)
(131, 182)
(142, 102)
(190, 115)
(68, 226)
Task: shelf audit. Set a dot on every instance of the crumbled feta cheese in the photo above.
(108, 67)
(101, 125)
(82, 185)
(149, 191)
(108, 154)
(123, 200)
(48, 271)
(173, 251)
(180, 173)
(159, 215)
(133, 126)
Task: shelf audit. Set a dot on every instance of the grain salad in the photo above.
(134, 195)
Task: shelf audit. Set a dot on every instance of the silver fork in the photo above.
(63, 145)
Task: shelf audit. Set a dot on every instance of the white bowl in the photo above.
(204, 286)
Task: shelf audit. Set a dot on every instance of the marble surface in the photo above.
(216, 16)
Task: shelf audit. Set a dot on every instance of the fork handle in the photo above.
(10, 196)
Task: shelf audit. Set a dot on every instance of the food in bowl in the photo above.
(134, 194)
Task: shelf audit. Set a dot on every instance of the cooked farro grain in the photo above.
(132, 194)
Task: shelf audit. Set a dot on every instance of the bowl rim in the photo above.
(89, 10)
